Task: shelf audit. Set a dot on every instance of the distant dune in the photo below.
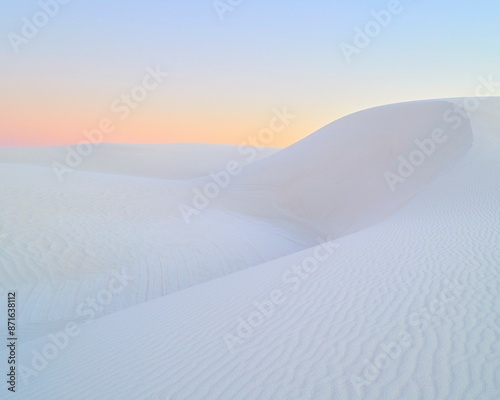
(168, 161)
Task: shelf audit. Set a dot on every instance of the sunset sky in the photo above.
(227, 75)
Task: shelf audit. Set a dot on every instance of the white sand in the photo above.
(426, 268)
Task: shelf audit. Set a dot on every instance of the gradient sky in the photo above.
(226, 77)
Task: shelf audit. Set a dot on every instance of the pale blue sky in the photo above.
(229, 74)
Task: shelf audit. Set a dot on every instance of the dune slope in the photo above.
(64, 240)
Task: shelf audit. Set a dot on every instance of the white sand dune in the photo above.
(168, 161)
(419, 278)
(331, 183)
